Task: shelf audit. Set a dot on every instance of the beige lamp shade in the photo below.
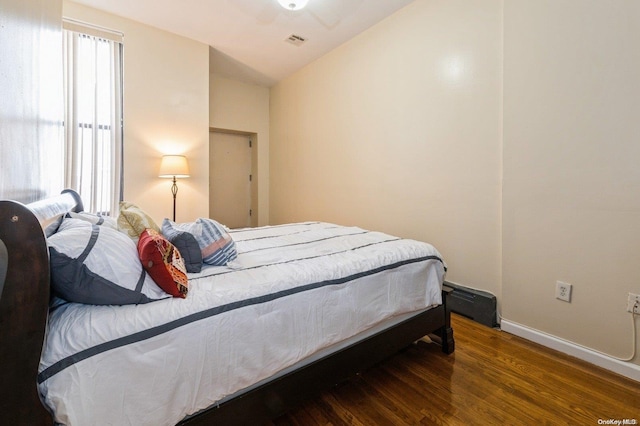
(174, 166)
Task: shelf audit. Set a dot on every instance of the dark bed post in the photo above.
(446, 332)
(23, 314)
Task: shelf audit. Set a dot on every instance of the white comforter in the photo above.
(293, 290)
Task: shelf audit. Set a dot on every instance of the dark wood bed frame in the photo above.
(24, 301)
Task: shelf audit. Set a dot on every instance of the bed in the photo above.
(303, 307)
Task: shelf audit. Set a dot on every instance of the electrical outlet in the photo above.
(633, 303)
(563, 291)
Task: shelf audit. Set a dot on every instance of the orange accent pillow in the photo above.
(163, 262)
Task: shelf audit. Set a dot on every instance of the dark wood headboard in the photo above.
(24, 301)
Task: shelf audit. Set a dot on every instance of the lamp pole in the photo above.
(174, 191)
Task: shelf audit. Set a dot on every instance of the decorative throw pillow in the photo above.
(133, 220)
(189, 249)
(216, 245)
(163, 262)
(94, 219)
(98, 265)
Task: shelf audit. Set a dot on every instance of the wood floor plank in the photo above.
(492, 378)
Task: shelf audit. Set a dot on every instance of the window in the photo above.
(93, 115)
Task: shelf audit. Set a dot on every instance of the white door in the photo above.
(230, 179)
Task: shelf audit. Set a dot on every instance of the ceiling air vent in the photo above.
(295, 40)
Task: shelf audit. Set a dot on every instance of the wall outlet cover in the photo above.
(633, 303)
(563, 291)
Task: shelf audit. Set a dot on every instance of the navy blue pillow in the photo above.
(189, 249)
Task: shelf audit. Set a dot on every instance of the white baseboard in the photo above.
(626, 369)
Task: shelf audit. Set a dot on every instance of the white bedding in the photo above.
(293, 290)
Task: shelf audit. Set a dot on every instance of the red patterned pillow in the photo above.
(163, 262)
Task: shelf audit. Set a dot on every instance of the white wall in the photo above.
(571, 176)
(166, 111)
(519, 162)
(399, 130)
(243, 107)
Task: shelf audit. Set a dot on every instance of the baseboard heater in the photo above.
(477, 305)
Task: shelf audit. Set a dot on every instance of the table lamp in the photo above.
(174, 166)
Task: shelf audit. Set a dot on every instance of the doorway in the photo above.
(231, 178)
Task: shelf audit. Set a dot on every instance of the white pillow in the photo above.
(94, 219)
(98, 265)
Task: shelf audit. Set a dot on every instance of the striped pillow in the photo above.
(216, 245)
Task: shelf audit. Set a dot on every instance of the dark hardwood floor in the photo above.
(492, 378)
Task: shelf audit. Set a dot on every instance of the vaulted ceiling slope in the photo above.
(248, 39)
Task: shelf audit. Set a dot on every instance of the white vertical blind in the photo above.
(93, 118)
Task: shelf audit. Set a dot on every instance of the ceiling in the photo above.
(247, 38)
